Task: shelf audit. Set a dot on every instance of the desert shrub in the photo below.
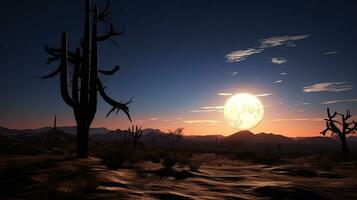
(153, 157)
(194, 165)
(169, 162)
(115, 158)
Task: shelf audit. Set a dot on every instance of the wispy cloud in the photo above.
(212, 107)
(283, 73)
(232, 73)
(278, 81)
(278, 61)
(154, 118)
(264, 95)
(224, 94)
(305, 103)
(297, 119)
(331, 52)
(206, 109)
(339, 101)
(203, 111)
(236, 56)
(328, 87)
(240, 55)
(179, 118)
(201, 121)
(280, 40)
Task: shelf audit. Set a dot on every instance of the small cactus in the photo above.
(135, 133)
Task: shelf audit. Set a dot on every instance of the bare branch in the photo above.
(329, 120)
(52, 51)
(105, 13)
(52, 74)
(109, 72)
(111, 33)
(52, 59)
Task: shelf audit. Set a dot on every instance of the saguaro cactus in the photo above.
(341, 128)
(135, 133)
(85, 82)
(55, 123)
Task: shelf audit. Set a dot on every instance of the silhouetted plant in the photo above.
(169, 162)
(55, 123)
(135, 133)
(85, 81)
(175, 137)
(341, 128)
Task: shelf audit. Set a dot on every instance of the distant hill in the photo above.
(249, 137)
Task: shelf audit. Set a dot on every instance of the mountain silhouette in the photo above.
(249, 137)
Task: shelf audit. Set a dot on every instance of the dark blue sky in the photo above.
(173, 60)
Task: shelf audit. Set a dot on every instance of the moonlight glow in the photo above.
(243, 111)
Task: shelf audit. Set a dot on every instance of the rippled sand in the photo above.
(216, 179)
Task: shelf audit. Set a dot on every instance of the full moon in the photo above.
(243, 111)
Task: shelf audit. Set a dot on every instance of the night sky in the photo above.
(181, 60)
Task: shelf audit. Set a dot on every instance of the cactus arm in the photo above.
(105, 13)
(110, 34)
(113, 103)
(52, 51)
(52, 74)
(52, 59)
(109, 72)
(64, 64)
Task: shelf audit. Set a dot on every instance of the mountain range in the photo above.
(149, 134)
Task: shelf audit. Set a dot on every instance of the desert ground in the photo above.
(208, 176)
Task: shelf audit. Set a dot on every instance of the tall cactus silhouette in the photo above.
(135, 133)
(341, 128)
(85, 83)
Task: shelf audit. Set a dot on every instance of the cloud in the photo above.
(232, 73)
(203, 111)
(328, 87)
(305, 103)
(278, 61)
(263, 95)
(212, 107)
(199, 121)
(240, 55)
(207, 109)
(330, 52)
(224, 94)
(236, 56)
(297, 119)
(283, 73)
(339, 101)
(179, 118)
(280, 40)
(154, 118)
(278, 81)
